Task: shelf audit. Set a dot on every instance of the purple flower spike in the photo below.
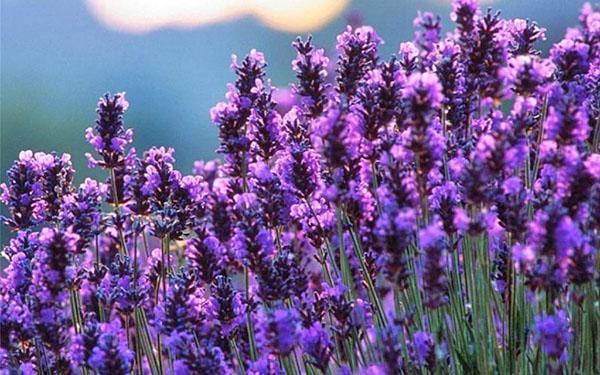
(423, 350)
(428, 31)
(434, 244)
(24, 193)
(109, 136)
(82, 212)
(310, 67)
(279, 330)
(226, 306)
(553, 333)
(316, 343)
(357, 54)
(524, 35)
(111, 354)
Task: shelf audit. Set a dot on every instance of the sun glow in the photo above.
(141, 16)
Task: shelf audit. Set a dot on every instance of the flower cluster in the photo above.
(435, 210)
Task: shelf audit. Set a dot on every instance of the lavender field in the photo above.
(435, 211)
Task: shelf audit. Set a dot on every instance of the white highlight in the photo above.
(142, 16)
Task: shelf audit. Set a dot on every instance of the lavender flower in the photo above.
(428, 31)
(23, 195)
(53, 267)
(270, 193)
(423, 350)
(110, 355)
(206, 359)
(57, 176)
(109, 136)
(280, 330)
(184, 308)
(205, 254)
(357, 54)
(231, 117)
(310, 67)
(226, 306)
(525, 34)
(423, 93)
(316, 343)
(82, 212)
(266, 364)
(434, 243)
(553, 334)
(376, 106)
(529, 74)
(553, 236)
(442, 197)
(283, 278)
(571, 59)
(263, 126)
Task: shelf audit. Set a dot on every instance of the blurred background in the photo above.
(172, 58)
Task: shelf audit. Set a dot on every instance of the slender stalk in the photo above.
(238, 357)
(164, 268)
(380, 313)
(344, 264)
(141, 323)
(322, 256)
(540, 137)
(596, 137)
(113, 184)
(249, 322)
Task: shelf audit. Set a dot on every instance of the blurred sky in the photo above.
(57, 59)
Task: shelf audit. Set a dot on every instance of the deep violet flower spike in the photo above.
(57, 179)
(53, 269)
(423, 350)
(23, 194)
(528, 74)
(378, 103)
(434, 243)
(250, 70)
(317, 344)
(109, 136)
(270, 194)
(428, 29)
(232, 116)
(264, 126)
(111, 354)
(571, 57)
(282, 278)
(184, 308)
(357, 50)
(226, 306)
(206, 256)
(553, 333)
(423, 93)
(84, 343)
(464, 13)
(82, 212)
(280, 330)
(525, 34)
(391, 352)
(207, 358)
(310, 66)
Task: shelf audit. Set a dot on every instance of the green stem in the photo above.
(380, 313)
(322, 256)
(596, 138)
(249, 322)
(141, 326)
(238, 357)
(113, 184)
